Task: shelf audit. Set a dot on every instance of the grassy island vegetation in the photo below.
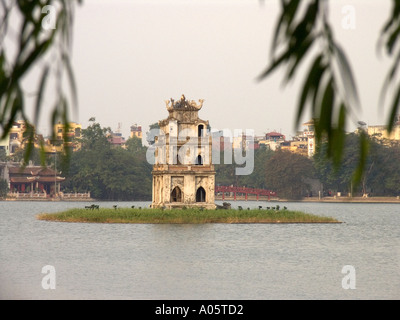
(180, 216)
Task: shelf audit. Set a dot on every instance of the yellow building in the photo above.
(16, 139)
(50, 148)
(74, 130)
(299, 145)
(380, 132)
(73, 134)
(136, 131)
(16, 135)
(304, 141)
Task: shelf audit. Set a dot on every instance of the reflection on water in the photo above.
(210, 261)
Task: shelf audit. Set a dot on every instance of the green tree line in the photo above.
(292, 175)
(381, 176)
(115, 173)
(124, 174)
(108, 173)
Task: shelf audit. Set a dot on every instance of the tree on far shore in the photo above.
(287, 174)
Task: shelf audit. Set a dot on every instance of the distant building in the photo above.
(74, 130)
(304, 141)
(298, 145)
(116, 139)
(65, 136)
(16, 136)
(136, 131)
(309, 133)
(33, 179)
(380, 131)
(17, 139)
(273, 140)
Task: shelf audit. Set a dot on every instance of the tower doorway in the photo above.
(176, 195)
(200, 195)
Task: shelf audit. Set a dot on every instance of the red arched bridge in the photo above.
(244, 191)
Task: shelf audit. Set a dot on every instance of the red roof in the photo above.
(33, 174)
(274, 134)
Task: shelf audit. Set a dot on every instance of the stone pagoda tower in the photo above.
(183, 173)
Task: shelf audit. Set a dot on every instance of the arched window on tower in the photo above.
(200, 195)
(200, 129)
(199, 160)
(178, 158)
(176, 195)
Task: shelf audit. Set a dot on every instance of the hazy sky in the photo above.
(129, 56)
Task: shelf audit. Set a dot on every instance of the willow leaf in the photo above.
(349, 83)
(24, 66)
(390, 44)
(325, 115)
(274, 65)
(276, 36)
(40, 93)
(389, 78)
(309, 85)
(72, 82)
(290, 11)
(30, 135)
(339, 136)
(13, 102)
(42, 154)
(53, 119)
(364, 148)
(394, 108)
(299, 55)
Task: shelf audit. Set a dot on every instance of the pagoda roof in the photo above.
(32, 171)
(35, 179)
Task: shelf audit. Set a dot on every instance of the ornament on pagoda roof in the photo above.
(183, 104)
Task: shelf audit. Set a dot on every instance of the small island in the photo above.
(182, 216)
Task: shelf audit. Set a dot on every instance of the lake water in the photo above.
(209, 261)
